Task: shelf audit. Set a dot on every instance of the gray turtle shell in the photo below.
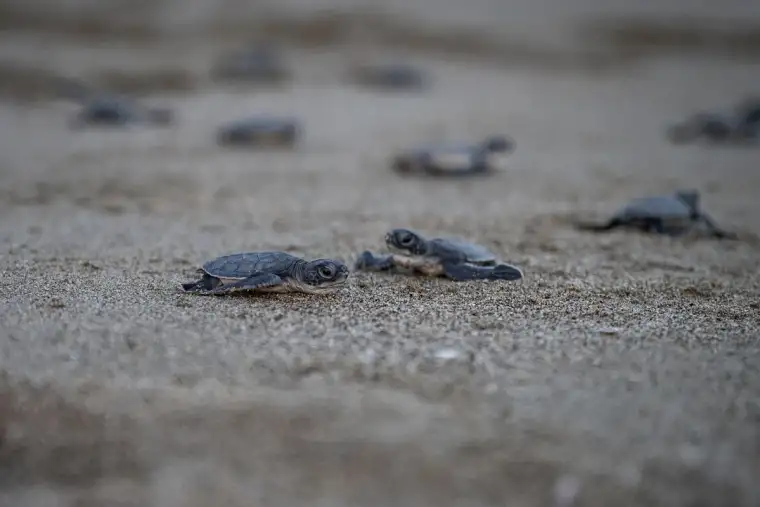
(474, 253)
(118, 109)
(391, 76)
(242, 265)
(258, 63)
(664, 207)
(259, 128)
(110, 108)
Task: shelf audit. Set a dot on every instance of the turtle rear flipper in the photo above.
(255, 281)
(369, 262)
(465, 272)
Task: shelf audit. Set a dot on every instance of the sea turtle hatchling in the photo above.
(268, 272)
(259, 131)
(260, 63)
(672, 215)
(115, 110)
(711, 127)
(452, 160)
(715, 129)
(748, 112)
(389, 77)
(453, 258)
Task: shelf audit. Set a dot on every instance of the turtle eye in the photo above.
(406, 240)
(326, 271)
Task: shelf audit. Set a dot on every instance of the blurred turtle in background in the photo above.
(389, 76)
(742, 126)
(259, 131)
(455, 160)
(672, 215)
(119, 111)
(748, 115)
(103, 109)
(710, 127)
(258, 63)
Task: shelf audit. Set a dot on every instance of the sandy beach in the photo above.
(624, 370)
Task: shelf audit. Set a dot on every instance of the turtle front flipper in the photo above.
(367, 261)
(465, 272)
(206, 283)
(255, 281)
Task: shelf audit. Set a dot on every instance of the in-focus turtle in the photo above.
(452, 160)
(449, 257)
(117, 111)
(389, 76)
(260, 132)
(671, 215)
(268, 272)
(258, 63)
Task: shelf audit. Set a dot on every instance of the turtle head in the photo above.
(690, 198)
(407, 241)
(324, 275)
(499, 144)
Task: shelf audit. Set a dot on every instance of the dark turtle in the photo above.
(453, 258)
(672, 215)
(114, 110)
(713, 128)
(453, 160)
(748, 116)
(268, 272)
(389, 76)
(258, 63)
(259, 131)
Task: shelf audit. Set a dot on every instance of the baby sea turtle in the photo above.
(260, 132)
(268, 272)
(258, 63)
(114, 110)
(713, 128)
(453, 258)
(748, 113)
(389, 76)
(672, 215)
(735, 129)
(452, 160)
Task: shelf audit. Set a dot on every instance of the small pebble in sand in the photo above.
(448, 354)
